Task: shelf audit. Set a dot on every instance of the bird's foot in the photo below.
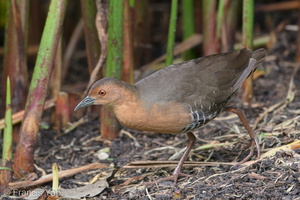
(177, 170)
(251, 153)
(254, 141)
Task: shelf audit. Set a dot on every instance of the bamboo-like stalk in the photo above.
(55, 181)
(198, 17)
(5, 169)
(61, 115)
(115, 39)
(220, 21)
(141, 32)
(7, 134)
(23, 162)
(109, 125)
(92, 43)
(131, 3)
(172, 31)
(248, 23)
(248, 18)
(101, 24)
(209, 26)
(14, 67)
(3, 6)
(127, 71)
(188, 25)
(15, 52)
(231, 23)
(55, 80)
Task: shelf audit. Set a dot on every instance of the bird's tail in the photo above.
(259, 56)
(256, 58)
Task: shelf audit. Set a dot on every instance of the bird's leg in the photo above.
(177, 170)
(191, 142)
(254, 140)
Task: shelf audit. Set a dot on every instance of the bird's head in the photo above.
(107, 91)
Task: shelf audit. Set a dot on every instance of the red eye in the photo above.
(102, 92)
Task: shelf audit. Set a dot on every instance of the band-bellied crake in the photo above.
(181, 97)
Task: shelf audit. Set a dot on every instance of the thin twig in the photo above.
(49, 177)
(101, 24)
(17, 117)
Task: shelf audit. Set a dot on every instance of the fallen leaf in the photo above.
(89, 190)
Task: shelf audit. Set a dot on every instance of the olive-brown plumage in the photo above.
(178, 98)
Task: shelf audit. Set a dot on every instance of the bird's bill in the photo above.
(87, 101)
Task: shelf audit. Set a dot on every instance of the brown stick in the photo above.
(101, 24)
(49, 177)
(189, 43)
(287, 5)
(17, 117)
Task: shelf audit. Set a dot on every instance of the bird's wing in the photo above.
(203, 81)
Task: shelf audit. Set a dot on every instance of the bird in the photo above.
(181, 97)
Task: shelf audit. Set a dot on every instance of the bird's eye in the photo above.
(102, 92)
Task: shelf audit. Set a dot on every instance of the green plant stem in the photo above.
(88, 9)
(188, 25)
(127, 71)
(172, 31)
(131, 3)
(248, 23)
(109, 126)
(15, 45)
(23, 162)
(209, 26)
(247, 91)
(220, 17)
(7, 135)
(115, 42)
(55, 181)
(257, 42)
(231, 23)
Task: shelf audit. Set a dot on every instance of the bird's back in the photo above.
(204, 82)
